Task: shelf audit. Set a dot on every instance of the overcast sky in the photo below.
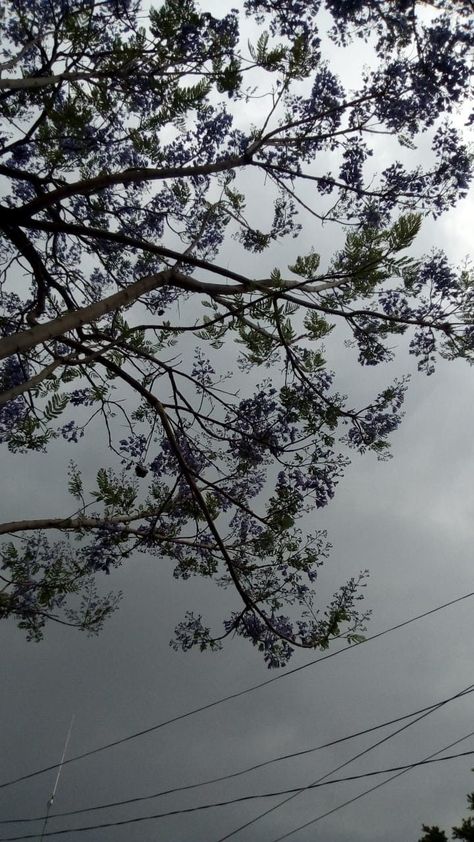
(408, 520)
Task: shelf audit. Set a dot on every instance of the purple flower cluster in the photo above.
(44, 576)
(191, 632)
(134, 447)
(166, 462)
(13, 372)
(367, 334)
(202, 370)
(105, 550)
(423, 346)
(371, 428)
(437, 276)
(354, 157)
(262, 428)
(394, 303)
(71, 432)
(10, 306)
(290, 18)
(82, 397)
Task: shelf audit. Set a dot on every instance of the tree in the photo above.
(464, 831)
(126, 154)
(433, 834)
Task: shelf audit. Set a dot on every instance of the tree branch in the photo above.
(10, 394)
(85, 315)
(88, 186)
(245, 284)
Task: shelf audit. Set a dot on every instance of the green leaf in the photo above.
(404, 231)
(115, 491)
(317, 326)
(75, 487)
(307, 266)
(55, 406)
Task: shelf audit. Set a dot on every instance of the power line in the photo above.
(423, 711)
(343, 765)
(235, 695)
(243, 798)
(371, 789)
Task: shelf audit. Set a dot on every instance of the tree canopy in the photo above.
(432, 833)
(146, 154)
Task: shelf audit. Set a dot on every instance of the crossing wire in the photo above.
(367, 791)
(243, 798)
(236, 695)
(343, 765)
(137, 799)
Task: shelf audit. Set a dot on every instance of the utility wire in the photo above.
(343, 765)
(252, 797)
(424, 711)
(235, 695)
(371, 789)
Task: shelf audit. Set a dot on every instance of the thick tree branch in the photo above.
(11, 62)
(32, 382)
(67, 523)
(15, 392)
(75, 524)
(34, 82)
(75, 319)
(74, 229)
(89, 186)
(328, 281)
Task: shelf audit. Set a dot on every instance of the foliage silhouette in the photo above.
(465, 831)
